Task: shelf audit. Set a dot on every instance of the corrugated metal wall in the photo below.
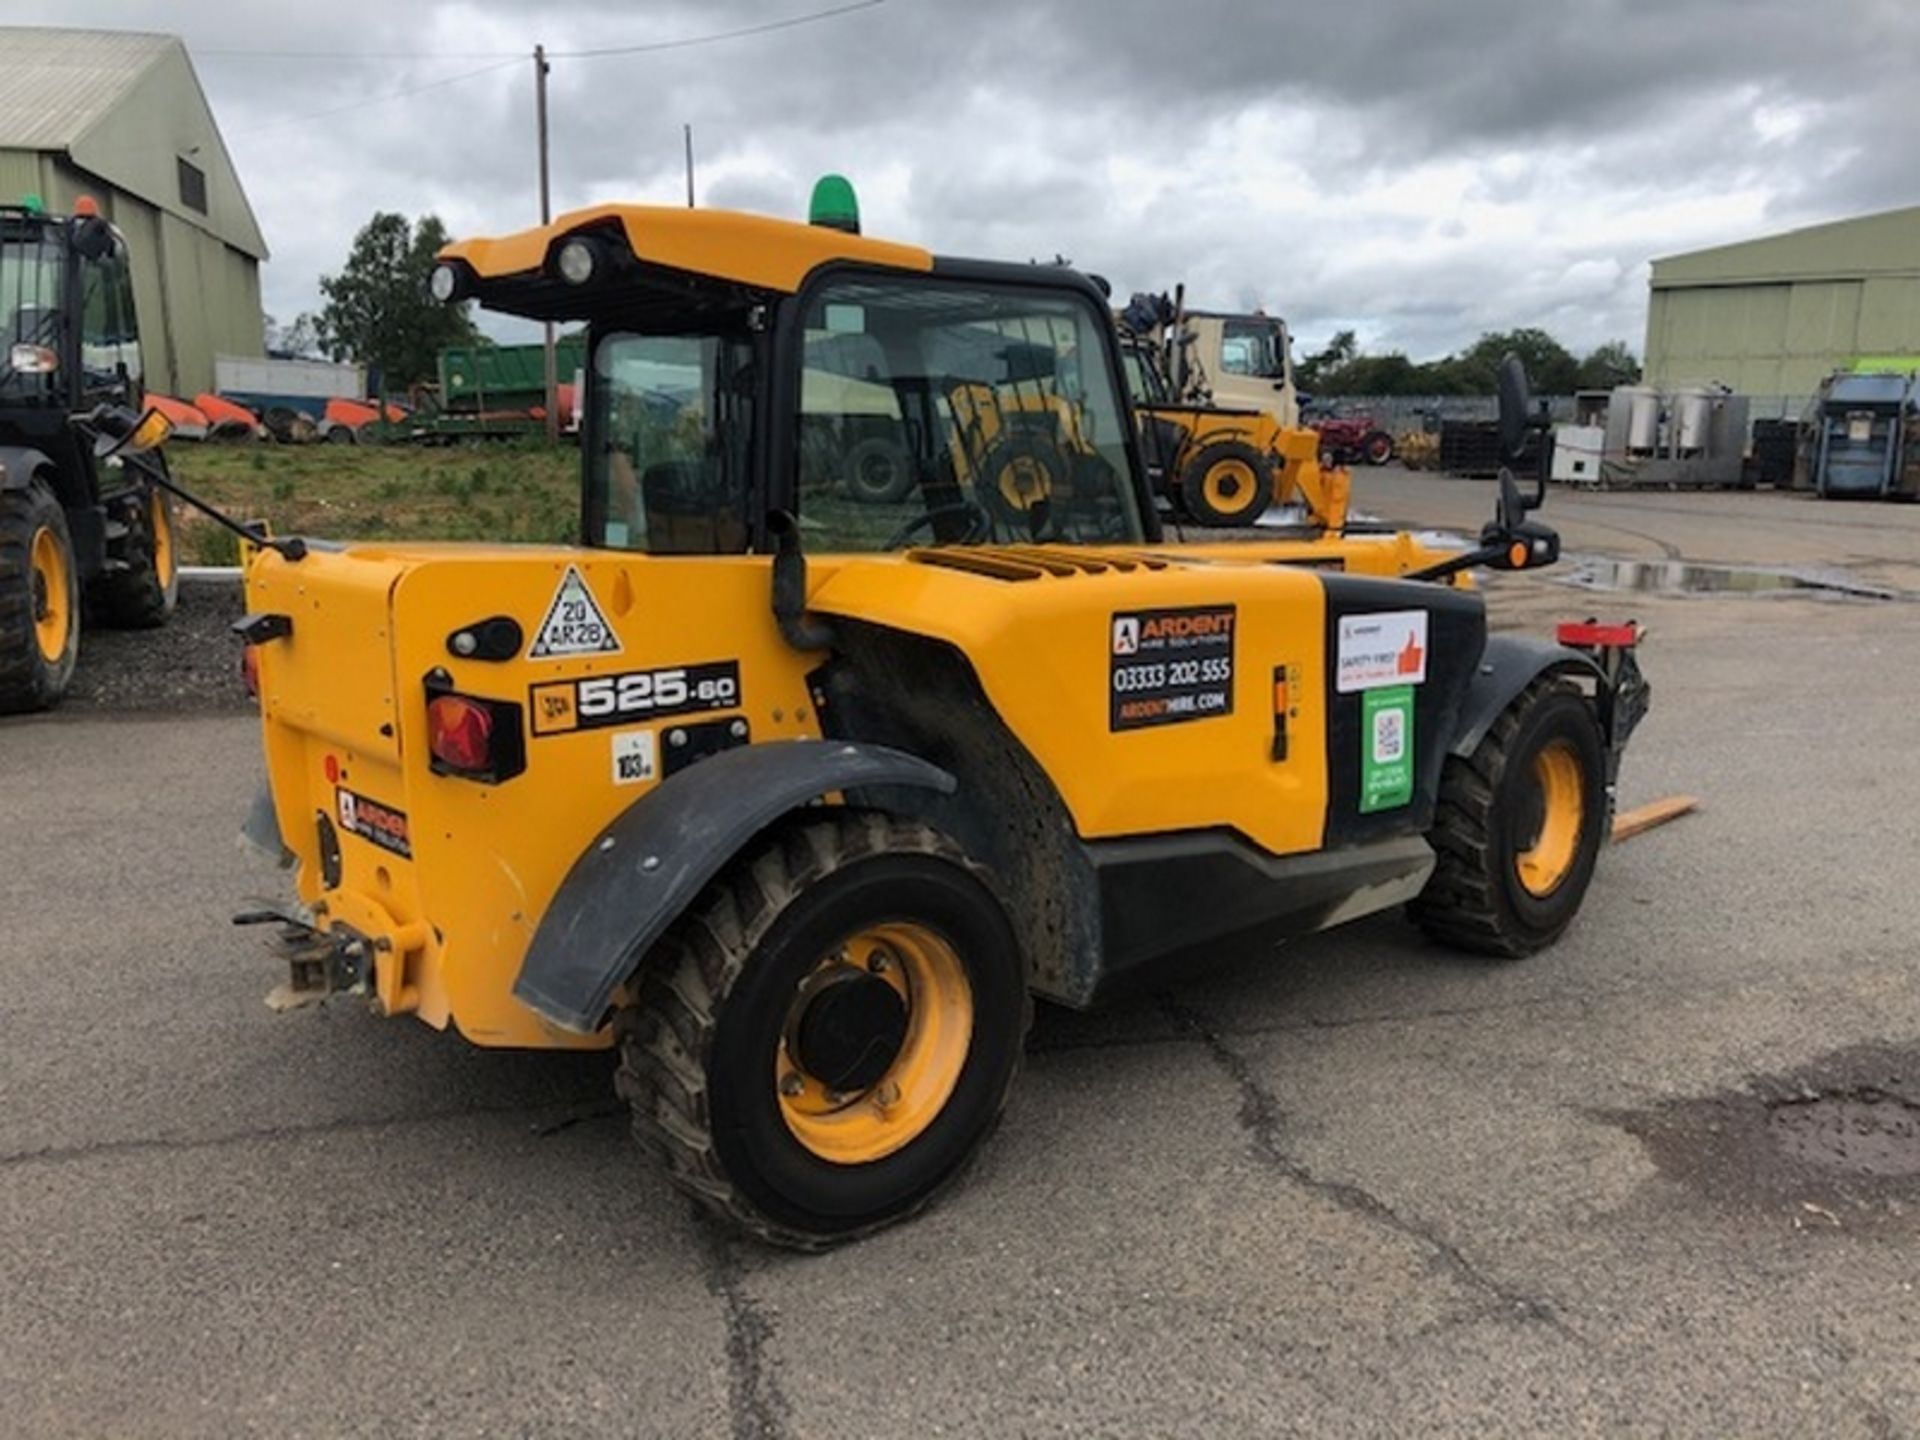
(1778, 339)
(19, 175)
(1775, 315)
(197, 296)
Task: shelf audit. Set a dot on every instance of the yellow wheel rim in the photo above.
(1563, 806)
(1227, 486)
(52, 595)
(858, 1128)
(1022, 481)
(162, 525)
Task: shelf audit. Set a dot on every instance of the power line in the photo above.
(789, 23)
(765, 27)
(383, 99)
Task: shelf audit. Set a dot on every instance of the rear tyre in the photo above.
(1518, 828)
(39, 599)
(1227, 482)
(1377, 447)
(143, 595)
(830, 1034)
(878, 471)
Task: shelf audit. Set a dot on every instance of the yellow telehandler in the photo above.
(797, 796)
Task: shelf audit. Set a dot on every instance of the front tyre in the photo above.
(1518, 827)
(39, 599)
(1227, 482)
(830, 1034)
(145, 593)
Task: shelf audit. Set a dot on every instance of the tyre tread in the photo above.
(1460, 906)
(665, 1036)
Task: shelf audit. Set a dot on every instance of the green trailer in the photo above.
(494, 391)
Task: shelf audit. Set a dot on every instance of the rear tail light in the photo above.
(473, 737)
(1593, 634)
(460, 733)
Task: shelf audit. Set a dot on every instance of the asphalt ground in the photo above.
(1359, 1187)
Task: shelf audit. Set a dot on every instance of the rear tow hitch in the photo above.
(319, 963)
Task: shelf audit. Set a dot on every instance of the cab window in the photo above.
(1145, 386)
(108, 335)
(951, 413)
(671, 432)
(1250, 347)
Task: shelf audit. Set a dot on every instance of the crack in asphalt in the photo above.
(1336, 1022)
(346, 1124)
(756, 1406)
(1261, 1117)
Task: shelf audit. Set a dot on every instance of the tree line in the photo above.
(378, 312)
(1341, 369)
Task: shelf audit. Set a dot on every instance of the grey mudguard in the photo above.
(1507, 666)
(639, 873)
(18, 465)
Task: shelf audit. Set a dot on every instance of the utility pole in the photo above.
(540, 68)
(689, 134)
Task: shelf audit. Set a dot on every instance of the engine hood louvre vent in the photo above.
(1034, 562)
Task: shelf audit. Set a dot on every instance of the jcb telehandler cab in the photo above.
(796, 797)
(81, 525)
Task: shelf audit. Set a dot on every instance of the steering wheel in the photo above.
(979, 523)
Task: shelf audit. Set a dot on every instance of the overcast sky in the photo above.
(1420, 172)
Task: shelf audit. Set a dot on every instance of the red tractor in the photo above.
(1348, 439)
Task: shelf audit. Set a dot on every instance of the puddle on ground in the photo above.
(1839, 1137)
(1858, 1132)
(1683, 577)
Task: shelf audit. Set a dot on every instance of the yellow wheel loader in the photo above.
(798, 797)
(1219, 466)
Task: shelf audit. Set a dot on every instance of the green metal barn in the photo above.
(1773, 317)
(120, 116)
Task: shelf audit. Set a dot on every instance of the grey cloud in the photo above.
(1480, 164)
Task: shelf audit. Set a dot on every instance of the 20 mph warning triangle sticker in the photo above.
(574, 624)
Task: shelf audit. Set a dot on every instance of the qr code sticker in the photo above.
(1389, 736)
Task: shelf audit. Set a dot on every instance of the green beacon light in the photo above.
(834, 205)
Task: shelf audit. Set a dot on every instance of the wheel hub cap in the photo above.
(849, 1029)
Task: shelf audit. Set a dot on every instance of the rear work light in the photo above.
(473, 737)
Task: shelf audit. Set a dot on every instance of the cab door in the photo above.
(110, 368)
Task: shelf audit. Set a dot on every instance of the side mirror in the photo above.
(92, 237)
(1516, 407)
(119, 433)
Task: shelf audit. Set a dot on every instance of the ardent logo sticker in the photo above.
(1169, 666)
(380, 824)
(574, 623)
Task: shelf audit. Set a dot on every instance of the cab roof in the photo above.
(729, 245)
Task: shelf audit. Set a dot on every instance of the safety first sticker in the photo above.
(575, 624)
(1385, 649)
(1171, 665)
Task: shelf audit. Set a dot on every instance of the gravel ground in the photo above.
(188, 664)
